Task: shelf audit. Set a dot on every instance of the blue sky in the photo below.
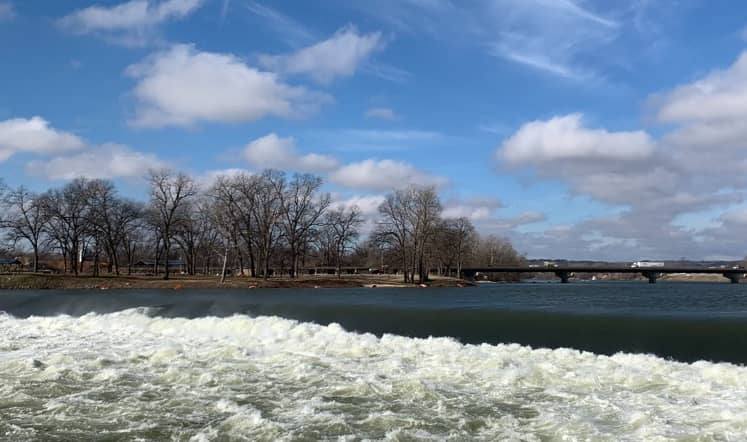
(579, 129)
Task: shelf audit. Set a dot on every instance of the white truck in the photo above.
(646, 264)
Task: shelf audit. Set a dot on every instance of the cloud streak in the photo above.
(132, 23)
(338, 56)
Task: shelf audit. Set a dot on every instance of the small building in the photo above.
(10, 264)
(147, 265)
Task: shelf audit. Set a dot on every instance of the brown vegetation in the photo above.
(258, 225)
(177, 282)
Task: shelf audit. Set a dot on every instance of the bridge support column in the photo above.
(468, 275)
(563, 276)
(733, 277)
(652, 276)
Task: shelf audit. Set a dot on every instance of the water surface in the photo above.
(351, 364)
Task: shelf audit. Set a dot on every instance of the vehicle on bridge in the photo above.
(646, 264)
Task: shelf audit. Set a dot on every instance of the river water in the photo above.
(587, 361)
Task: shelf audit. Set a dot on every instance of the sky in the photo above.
(580, 129)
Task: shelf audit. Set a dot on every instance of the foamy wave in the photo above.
(133, 375)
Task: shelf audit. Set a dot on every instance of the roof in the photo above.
(9, 261)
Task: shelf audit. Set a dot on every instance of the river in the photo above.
(595, 360)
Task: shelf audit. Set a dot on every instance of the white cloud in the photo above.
(7, 11)
(272, 151)
(182, 86)
(476, 209)
(339, 56)
(710, 140)
(34, 135)
(721, 95)
(130, 23)
(105, 161)
(207, 179)
(564, 138)
(382, 175)
(699, 166)
(506, 224)
(382, 113)
(368, 205)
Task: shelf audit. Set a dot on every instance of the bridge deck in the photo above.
(602, 269)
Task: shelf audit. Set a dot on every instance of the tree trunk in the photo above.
(225, 262)
(36, 258)
(167, 252)
(252, 264)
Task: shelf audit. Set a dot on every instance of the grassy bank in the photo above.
(40, 281)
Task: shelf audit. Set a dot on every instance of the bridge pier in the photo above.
(733, 277)
(468, 275)
(652, 276)
(563, 276)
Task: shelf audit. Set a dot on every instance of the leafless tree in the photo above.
(268, 220)
(169, 194)
(343, 225)
(394, 228)
(267, 212)
(112, 218)
(238, 195)
(134, 235)
(24, 219)
(455, 240)
(68, 216)
(301, 211)
(426, 215)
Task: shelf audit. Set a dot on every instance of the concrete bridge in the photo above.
(564, 273)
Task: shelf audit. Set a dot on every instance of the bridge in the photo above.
(564, 273)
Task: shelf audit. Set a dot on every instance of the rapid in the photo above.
(140, 374)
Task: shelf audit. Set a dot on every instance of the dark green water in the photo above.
(349, 365)
(682, 321)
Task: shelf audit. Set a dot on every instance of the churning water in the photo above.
(216, 366)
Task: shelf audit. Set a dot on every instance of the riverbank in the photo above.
(177, 282)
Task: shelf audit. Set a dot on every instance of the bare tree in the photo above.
(455, 241)
(68, 215)
(24, 220)
(394, 229)
(343, 225)
(134, 235)
(426, 214)
(169, 194)
(222, 218)
(302, 209)
(112, 218)
(238, 195)
(267, 212)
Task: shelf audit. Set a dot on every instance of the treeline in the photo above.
(249, 224)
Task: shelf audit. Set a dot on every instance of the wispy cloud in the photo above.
(338, 56)
(364, 140)
(290, 30)
(224, 10)
(7, 11)
(550, 36)
(386, 71)
(382, 113)
(132, 23)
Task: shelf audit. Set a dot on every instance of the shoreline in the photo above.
(183, 282)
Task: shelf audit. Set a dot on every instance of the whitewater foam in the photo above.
(129, 375)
